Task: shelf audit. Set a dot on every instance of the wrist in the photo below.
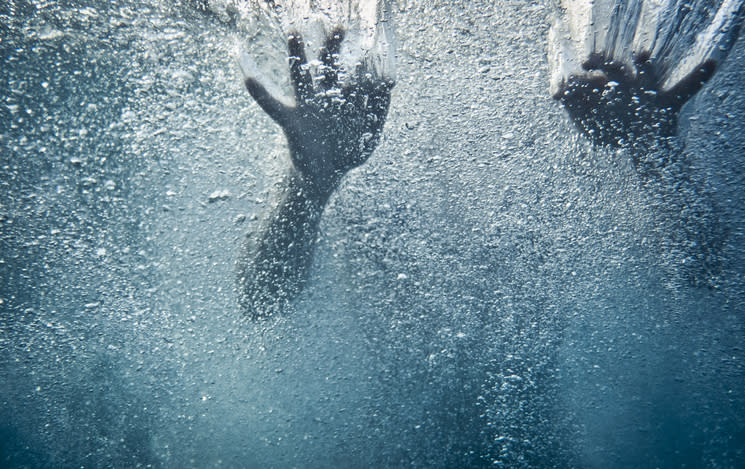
(311, 189)
(314, 185)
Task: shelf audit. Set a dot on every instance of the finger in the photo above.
(594, 61)
(302, 82)
(614, 71)
(333, 42)
(329, 57)
(378, 104)
(582, 87)
(383, 97)
(252, 78)
(691, 84)
(645, 70)
(271, 105)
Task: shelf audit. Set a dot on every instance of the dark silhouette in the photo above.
(617, 104)
(332, 127)
(625, 106)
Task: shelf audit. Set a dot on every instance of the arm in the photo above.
(332, 127)
(276, 259)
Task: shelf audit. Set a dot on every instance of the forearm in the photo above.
(277, 257)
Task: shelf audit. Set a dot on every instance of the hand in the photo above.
(333, 126)
(615, 104)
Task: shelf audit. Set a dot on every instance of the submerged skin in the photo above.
(615, 105)
(621, 107)
(332, 127)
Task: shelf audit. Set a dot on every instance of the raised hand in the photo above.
(616, 104)
(334, 124)
(625, 106)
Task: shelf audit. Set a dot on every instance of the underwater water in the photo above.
(488, 290)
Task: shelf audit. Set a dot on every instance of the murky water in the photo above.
(489, 289)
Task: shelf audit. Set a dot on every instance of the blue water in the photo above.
(489, 289)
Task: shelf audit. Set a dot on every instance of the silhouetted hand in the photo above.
(334, 125)
(616, 104)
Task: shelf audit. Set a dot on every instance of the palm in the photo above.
(333, 126)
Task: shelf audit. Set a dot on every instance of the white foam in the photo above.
(618, 29)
